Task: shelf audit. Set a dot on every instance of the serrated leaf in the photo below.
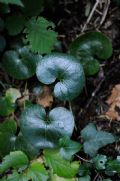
(61, 167)
(16, 2)
(94, 140)
(68, 147)
(44, 131)
(100, 161)
(37, 172)
(16, 159)
(16, 177)
(40, 35)
(15, 24)
(20, 64)
(90, 46)
(66, 70)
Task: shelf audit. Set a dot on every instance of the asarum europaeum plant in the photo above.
(89, 48)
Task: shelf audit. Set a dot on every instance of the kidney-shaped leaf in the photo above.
(43, 131)
(20, 64)
(66, 70)
(93, 44)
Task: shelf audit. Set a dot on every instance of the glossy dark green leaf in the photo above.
(94, 139)
(15, 24)
(44, 131)
(90, 46)
(16, 159)
(20, 64)
(2, 43)
(91, 65)
(100, 161)
(6, 106)
(7, 137)
(66, 70)
(68, 147)
(61, 167)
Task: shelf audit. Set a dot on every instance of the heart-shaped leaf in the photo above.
(89, 46)
(66, 70)
(43, 131)
(94, 140)
(20, 64)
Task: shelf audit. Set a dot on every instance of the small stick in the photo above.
(105, 12)
(90, 16)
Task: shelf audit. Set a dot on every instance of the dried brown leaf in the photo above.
(45, 99)
(114, 103)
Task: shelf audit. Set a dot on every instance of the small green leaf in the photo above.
(68, 147)
(16, 2)
(6, 106)
(20, 64)
(2, 43)
(15, 24)
(16, 159)
(85, 178)
(44, 131)
(94, 140)
(61, 167)
(40, 35)
(90, 46)
(66, 70)
(13, 94)
(100, 162)
(37, 172)
(113, 166)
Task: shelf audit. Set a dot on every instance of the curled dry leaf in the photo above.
(114, 103)
(45, 98)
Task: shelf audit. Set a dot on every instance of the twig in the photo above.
(105, 12)
(90, 16)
